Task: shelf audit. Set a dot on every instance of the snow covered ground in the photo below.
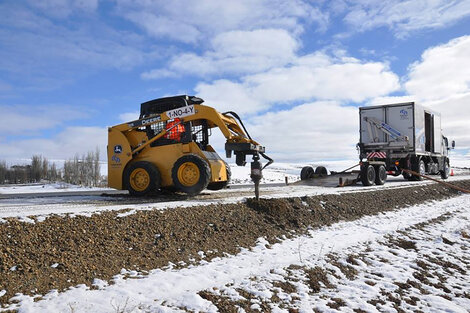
(379, 274)
(44, 187)
(367, 265)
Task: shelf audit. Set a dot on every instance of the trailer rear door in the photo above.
(378, 113)
(401, 118)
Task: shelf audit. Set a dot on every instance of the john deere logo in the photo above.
(117, 149)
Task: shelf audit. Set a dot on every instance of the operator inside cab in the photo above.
(176, 132)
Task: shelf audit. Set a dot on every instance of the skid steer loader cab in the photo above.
(168, 147)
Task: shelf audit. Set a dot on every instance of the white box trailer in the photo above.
(401, 136)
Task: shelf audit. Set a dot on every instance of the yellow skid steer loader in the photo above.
(168, 147)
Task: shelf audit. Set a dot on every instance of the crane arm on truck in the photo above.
(374, 124)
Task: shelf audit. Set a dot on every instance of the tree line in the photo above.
(80, 170)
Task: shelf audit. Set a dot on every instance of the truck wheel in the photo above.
(141, 178)
(420, 168)
(321, 171)
(380, 175)
(222, 184)
(306, 173)
(367, 175)
(191, 174)
(446, 171)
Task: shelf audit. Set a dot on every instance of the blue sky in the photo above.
(296, 71)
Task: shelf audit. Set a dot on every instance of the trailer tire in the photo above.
(321, 171)
(420, 168)
(222, 184)
(191, 174)
(367, 175)
(306, 173)
(445, 173)
(380, 175)
(141, 177)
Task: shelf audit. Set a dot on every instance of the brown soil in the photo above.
(83, 248)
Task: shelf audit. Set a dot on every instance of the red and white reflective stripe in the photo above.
(378, 155)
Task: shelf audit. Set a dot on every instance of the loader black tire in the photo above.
(380, 175)
(306, 173)
(321, 171)
(418, 167)
(222, 184)
(191, 174)
(367, 175)
(141, 178)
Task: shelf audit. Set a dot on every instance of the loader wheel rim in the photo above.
(139, 179)
(188, 174)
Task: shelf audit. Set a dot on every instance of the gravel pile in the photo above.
(63, 251)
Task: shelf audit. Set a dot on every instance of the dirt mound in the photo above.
(60, 252)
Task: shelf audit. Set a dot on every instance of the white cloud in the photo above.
(442, 71)
(404, 17)
(455, 119)
(64, 8)
(28, 120)
(441, 81)
(225, 95)
(316, 76)
(194, 20)
(159, 74)
(64, 145)
(129, 116)
(158, 26)
(308, 132)
(234, 52)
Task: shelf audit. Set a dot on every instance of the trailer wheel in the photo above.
(446, 171)
(222, 184)
(321, 171)
(367, 175)
(141, 178)
(191, 174)
(306, 173)
(380, 175)
(420, 168)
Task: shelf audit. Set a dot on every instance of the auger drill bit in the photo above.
(256, 174)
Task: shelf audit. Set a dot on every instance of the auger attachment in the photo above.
(256, 173)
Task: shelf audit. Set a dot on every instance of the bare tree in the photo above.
(44, 169)
(96, 167)
(36, 168)
(3, 172)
